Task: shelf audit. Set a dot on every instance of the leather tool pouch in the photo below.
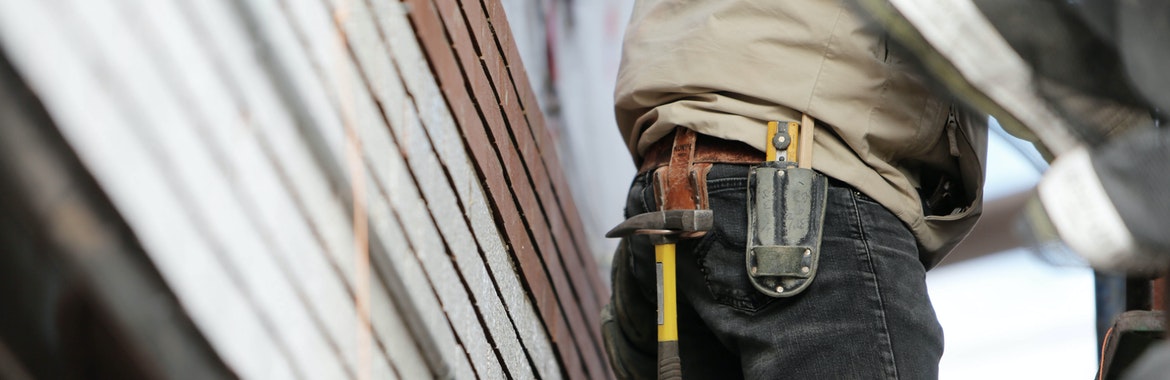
(786, 214)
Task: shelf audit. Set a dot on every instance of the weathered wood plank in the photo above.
(166, 122)
(431, 250)
(359, 110)
(587, 283)
(99, 130)
(203, 94)
(283, 227)
(300, 170)
(325, 295)
(397, 346)
(518, 176)
(384, 157)
(450, 79)
(444, 135)
(560, 189)
(485, 40)
(431, 35)
(411, 140)
(323, 283)
(392, 257)
(58, 220)
(380, 369)
(527, 99)
(409, 287)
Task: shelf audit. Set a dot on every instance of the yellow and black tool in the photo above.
(665, 228)
(785, 147)
(786, 211)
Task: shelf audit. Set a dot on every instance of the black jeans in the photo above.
(866, 315)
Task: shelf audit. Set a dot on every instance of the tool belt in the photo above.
(680, 163)
(786, 203)
(707, 150)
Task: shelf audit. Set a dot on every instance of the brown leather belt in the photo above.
(706, 149)
(680, 163)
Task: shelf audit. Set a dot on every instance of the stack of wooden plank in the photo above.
(330, 188)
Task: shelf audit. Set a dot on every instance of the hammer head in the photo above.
(672, 223)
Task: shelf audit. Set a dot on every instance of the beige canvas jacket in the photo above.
(726, 67)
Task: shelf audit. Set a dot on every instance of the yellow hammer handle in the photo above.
(664, 255)
(669, 365)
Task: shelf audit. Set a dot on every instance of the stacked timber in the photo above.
(327, 189)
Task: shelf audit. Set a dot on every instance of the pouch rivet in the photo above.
(754, 271)
(804, 270)
(807, 253)
(779, 289)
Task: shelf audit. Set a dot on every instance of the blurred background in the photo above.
(1006, 314)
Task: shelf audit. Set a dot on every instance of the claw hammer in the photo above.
(678, 218)
(665, 228)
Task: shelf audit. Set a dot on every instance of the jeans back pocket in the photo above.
(720, 254)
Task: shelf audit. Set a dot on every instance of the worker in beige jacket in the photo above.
(904, 169)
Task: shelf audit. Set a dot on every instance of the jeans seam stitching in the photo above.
(719, 190)
(885, 333)
(725, 183)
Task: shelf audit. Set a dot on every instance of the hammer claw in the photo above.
(666, 222)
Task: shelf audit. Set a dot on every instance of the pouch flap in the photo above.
(775, 260)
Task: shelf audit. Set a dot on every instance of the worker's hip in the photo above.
(870, 287)
(854, 223)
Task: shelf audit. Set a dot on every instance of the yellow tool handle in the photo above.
(804, 158)
(664, 256)
(669, 365)
(770, 150)
(772, 153)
